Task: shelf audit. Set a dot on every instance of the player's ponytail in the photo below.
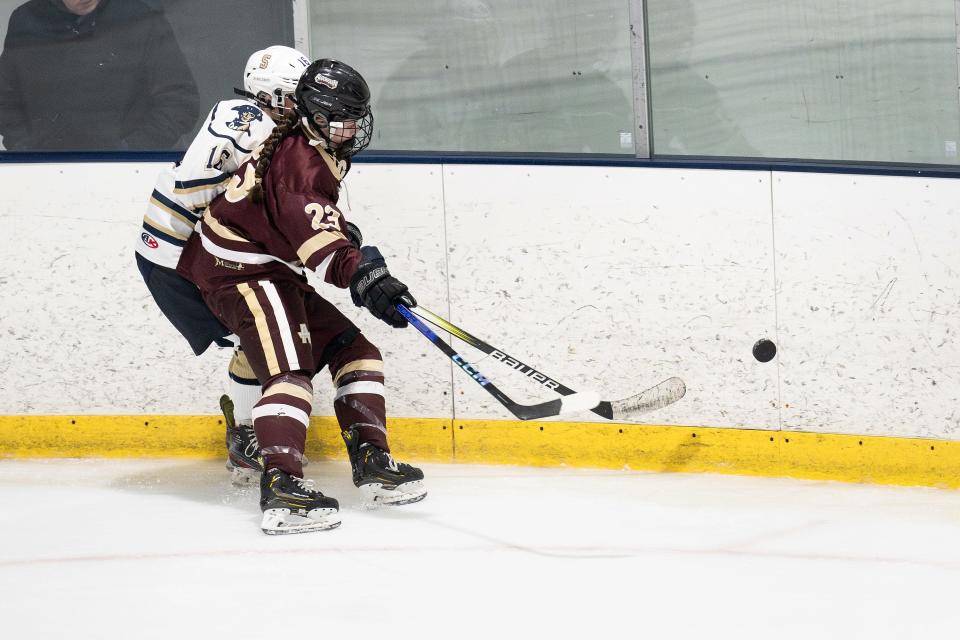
(283, 129)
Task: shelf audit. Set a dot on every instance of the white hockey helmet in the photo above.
(272, 74)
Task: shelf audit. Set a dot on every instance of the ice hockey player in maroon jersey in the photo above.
(230, 134)
(278, 216)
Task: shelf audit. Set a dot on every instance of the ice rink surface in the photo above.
(169, 549)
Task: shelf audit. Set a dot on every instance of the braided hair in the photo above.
(283, 129)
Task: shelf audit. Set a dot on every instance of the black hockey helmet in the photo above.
(333, 101)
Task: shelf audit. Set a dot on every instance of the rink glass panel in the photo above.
(488, 75)
(216, 37)
(851, 80)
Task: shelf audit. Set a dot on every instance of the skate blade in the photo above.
(281, 522)
(406, 493)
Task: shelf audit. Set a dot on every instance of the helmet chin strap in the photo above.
(277, 101)
(312, 132)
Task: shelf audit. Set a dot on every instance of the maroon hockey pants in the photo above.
(289, 333)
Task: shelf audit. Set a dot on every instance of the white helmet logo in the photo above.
(325, 81)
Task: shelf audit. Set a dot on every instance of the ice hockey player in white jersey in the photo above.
(228, 137)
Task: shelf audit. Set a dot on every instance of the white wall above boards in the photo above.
(80, 332)
(615, 278)
(869, 280)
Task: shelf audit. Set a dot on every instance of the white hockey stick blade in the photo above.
(582, 401)
(656, 397)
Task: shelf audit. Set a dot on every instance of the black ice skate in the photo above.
(381, 478)
(292, 505)
(244, 461)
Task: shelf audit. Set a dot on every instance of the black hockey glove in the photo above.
(373, 287)
(354, 235)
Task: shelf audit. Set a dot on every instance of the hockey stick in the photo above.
(656, 397)
(569, 404)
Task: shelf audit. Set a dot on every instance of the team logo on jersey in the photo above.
(246, 115)
(149, 240)
(236, 266)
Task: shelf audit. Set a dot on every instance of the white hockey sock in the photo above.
(243, 387)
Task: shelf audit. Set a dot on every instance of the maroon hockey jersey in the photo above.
(297, 225)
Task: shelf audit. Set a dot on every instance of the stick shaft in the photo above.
(524, 412)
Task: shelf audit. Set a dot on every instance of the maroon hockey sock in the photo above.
(359, 403)
(280, 420)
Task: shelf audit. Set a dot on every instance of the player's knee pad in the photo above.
(291, 383)
(287, 396)
(359, 360)
(341, 341)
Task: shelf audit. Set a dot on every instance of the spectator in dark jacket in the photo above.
(94, 75)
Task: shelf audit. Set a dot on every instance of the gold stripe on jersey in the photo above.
(375, 366)
(202, 187)
(289, 389)
(175, 214)
(263, 330)
(337, 167)
(221, 230)
(240, 366)
(238, 187)
(167, 230)
(317, 243)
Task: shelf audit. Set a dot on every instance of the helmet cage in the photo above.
(320, 127)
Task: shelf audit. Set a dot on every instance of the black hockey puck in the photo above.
(764, 350)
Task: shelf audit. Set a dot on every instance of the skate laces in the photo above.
(303, 483)
(376, 453)
(391, 463)
(253, 446)
(381, 457)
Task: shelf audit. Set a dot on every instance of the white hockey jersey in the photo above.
(231, 133)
